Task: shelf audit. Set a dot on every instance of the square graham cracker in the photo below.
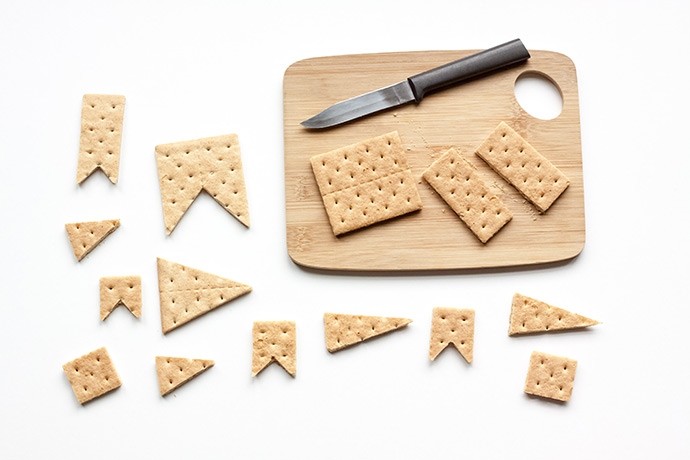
(92, 375)
(550, 376)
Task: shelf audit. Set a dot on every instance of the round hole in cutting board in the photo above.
(539, 95)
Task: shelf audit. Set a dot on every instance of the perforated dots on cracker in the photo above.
(550, 376)
(366, 183)
(101, 135)
(345, 330)
(452, 326)
(85, 236)
(175, 372)
(528, 315)
(120, 290)
(274, 341)
(514, 159)
(92, 375)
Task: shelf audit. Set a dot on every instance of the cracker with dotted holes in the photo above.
(550, 376)
(274, 341)
(213, 164)
(514, 159)
(459, 184)
(175, 372)
(92, 375)
(366, 183)
(345, 330)
(101, 135)
(120, 290)
(528, 315)
(452, 325)
(85, 236)
(187, 293)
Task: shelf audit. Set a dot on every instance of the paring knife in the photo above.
(414, 88)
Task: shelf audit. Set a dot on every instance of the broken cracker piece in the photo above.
(175, 372)
(345, 330)
(101, 135)
(528, 315)
(550, 376)
(120, 290)
(92, 375)
(85, 236)
(452, 325)
(274, 341)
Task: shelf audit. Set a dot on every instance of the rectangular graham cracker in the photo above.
(452, 325)
(92, 375)
(459, 184)
(366, 183)
(101, 135)
(550, 376)
(514, 159)
(274, 341)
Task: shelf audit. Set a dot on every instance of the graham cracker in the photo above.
(101, 135)
(92, 375)
(213, 164)
(550, 376)
(345, 330)
(529, 315)
(175, 372)
(452, 325)
(274, 341)
(459, 184)
(187, 293)
(120, 290)
(532, 174)
(366, 183)
(85, 236)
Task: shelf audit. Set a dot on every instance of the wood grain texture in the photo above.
(462, 117)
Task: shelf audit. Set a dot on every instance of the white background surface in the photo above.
(197, 69)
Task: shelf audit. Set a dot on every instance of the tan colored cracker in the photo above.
(345, 330)
(101, 135)
(514, 159)
(92, 375)
(529, 315)
(366, 183)
(187, 293)
(452, 325)
(85, 236)
(550, 376)
(175, 372)
(120, 290)
(459, 184)
(213, 164)
(274, 341)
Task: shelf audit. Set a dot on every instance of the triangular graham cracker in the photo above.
(529, 315)
(274, 341)
(187, 293)
(213, 164)
(120, 290)
(452, 325)
(346, 330)
(175, 372)
(85, 236)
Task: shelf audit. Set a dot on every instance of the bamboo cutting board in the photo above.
(461, 116)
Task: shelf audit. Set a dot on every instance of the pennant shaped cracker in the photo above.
(187, 293)
(92, 375)
(529, 315)
(85, 236)
(101, 134)
(459, 184)
(274, 341)
(120, 290)
(366, 183)
(550, 376)
(345, 330)
(452, 325)
(514, 159)
(175, 372)
(213, 164)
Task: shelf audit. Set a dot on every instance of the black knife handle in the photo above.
(485, 61)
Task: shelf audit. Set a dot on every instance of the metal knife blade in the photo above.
(415, 87)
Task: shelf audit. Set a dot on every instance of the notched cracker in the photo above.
(92, 375)
(120, 290)
(175, 372)
(345, 330)
(514, 159)
(85, 236)
(187, 293)
(550, 376)
(459, 184)
(452, 325)
(366, 183)
(528, 315)
(101, 135)
(274, 341)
